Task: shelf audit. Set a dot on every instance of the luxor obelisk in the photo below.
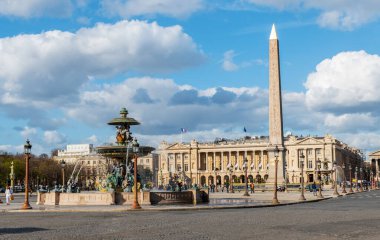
(275, 111)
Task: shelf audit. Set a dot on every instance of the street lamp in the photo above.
(335, 180)
(344, 178)
(245, 168)
(350, 168)
(357, 180)
(63, 164)
(216, 180)
(286, 176)
(361, 177)
(302, 197)
(276, 153)
(135, 149)
(27, 152)
(320, 179)
(231, 169)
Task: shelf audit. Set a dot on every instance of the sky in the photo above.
(67, 67)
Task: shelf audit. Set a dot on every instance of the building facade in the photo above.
(149, 166)
(218, 162)
(374, 159)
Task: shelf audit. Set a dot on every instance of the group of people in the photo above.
(8, 195)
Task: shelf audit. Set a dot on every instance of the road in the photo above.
(350, 217)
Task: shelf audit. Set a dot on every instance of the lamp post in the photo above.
(357, 180)
(361, 177)
(135, 149)
(350, 168)
(302, 197)
(63, 164)
(27, 152)
(245, 168)
(335, 180)
(344, 178)
(276, 153)
(371, 180)
(320, 179)
(286, 177)
(216, 180)
(231, 169)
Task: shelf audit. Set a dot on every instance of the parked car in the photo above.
(2, 189)
(19, 188)
(309, 187)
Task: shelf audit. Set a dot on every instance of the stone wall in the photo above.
(123, 198)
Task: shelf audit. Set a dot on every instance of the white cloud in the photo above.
(336, 14)
(228, 61)
(174, 107)
(171, 8)
(28, 132)
(350, 122)
(347, 82)
(36, 8)
(42, 71)
(367, 141)
(92, 139)
(54, 137)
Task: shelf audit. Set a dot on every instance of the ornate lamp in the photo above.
(135, 149)
(27, 152)
(302, 197)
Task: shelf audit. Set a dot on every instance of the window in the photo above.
(147, 161)
(186, 167)
(310, 164)
(186, 156)
(88, 162)
(178, 167)
(309, 152)
(318, 151)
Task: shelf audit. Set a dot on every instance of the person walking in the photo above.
(252, 187)
(314, 188)
(8, 195)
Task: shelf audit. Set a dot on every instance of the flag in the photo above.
(183, 130)
(236, 166)
(245, 130)
(253, 166)
(229, 165)
(260, 165)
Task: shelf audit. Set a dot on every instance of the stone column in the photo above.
(199, 161)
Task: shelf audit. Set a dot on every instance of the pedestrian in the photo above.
(8, 195)
(314, 188)
(252, 187)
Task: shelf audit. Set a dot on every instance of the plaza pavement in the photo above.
(218, 200)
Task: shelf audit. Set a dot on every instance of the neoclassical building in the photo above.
(374, 159)
(218, 162)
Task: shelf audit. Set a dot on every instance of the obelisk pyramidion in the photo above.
(275, 110)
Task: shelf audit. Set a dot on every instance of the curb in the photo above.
(163, 209)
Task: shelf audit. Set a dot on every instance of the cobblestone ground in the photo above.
(350, 217)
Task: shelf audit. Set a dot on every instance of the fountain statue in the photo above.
(120, 177)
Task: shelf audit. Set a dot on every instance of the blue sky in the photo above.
(67, 67)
